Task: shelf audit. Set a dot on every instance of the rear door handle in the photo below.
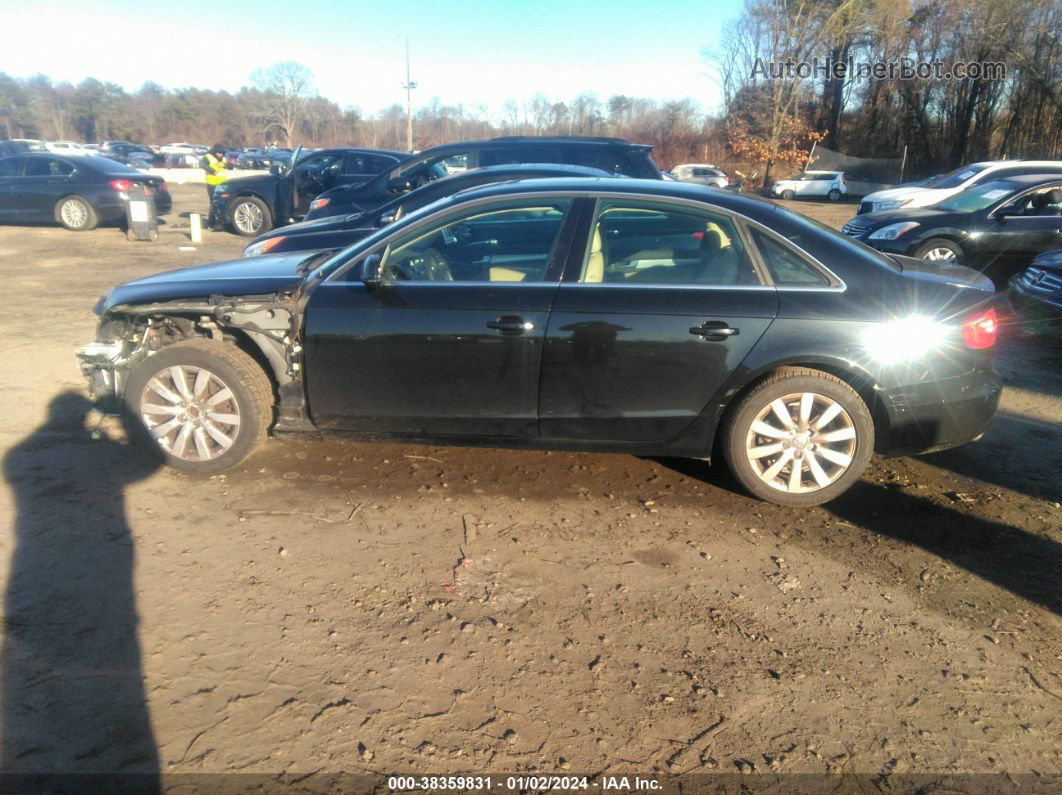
(511, 325)
(714, 330)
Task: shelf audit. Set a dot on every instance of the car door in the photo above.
(10, 168)
(1024, 227)
(657, 308)
(312, 177)
(449, 341)
(43, 182)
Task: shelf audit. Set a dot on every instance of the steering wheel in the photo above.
(428, 266)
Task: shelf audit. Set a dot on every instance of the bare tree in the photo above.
(286, 87)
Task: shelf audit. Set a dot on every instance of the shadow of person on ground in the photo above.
(71, 684)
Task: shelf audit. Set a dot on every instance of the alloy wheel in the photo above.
(939, 254)
(190, 412)
(801, 442)
(247, 217)
(74, 213)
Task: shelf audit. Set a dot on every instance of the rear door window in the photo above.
(785, 265)
(48, 167)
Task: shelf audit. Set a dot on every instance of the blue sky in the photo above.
(472, 52)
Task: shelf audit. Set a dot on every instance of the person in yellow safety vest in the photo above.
(213, 163)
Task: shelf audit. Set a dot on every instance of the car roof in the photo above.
(752, 206)
(491, 143)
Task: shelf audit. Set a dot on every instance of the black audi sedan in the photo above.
(254, 205)
(1000, 224)
(340, 231)
(651, 317)
(78, 192)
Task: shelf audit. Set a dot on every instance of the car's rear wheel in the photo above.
(788, 194)
(250, 216)
(76, 214)
(940, 249)
(201, 405)
(799, 438)
(834, 195)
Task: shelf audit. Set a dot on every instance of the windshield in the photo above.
(799, 220)
(979, 197)
(956, 177)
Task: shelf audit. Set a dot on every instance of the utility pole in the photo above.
(409, 85)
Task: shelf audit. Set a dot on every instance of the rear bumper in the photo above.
(936, 415)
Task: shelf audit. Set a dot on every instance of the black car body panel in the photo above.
(339, 230)
(613, 155)
(989, 238)
(33, 183)
(1035, 294)
(563, 362)
(288, 194)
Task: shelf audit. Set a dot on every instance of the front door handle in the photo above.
(511, 325)
(714, 330)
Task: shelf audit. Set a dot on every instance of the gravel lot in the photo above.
(331, 606)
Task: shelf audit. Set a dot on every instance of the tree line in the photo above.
(765, 123)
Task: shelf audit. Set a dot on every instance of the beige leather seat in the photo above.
(595, 262)
(506, 275)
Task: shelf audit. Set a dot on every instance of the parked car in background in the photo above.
(812, 185)
(652, 317)
(1035, 295)
(1001, 224)
(612, 155)
(252, 158)
(703, 173)
(178, 149)
(255, 204)
(186, 160)
(137, 160)
(67, 148)
(954, 182)
(125, 148)
(76, 191)
(18, 145)
(336, 227)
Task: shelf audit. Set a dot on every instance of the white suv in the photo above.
(830, 184)
(956, 182)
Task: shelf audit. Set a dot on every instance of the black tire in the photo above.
(70, 207)
(940, 244)
(247, 230)
(251, 399)
(796, 381)
(834, 195)
(788, 195)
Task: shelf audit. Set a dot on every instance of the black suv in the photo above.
(613, 155)
(253, 205)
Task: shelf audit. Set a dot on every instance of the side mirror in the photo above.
(370, 270)
(274, 169)
(400, 185)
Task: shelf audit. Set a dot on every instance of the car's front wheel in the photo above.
(940, 249)
(788, 194)
(251, 217)
(201, 405)
(799, 438)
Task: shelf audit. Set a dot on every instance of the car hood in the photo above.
(262, 182)
(325, 223)
(923, 196)
(259, 275)
(1050, 260)
(926, 216)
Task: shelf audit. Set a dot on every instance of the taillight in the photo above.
(317, 204)
(980, 331)
(121, 185)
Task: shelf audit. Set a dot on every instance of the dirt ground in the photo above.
(331, 606)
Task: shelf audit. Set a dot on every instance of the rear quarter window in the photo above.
(786, 266)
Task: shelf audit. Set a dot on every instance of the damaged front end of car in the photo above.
(266, 327)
